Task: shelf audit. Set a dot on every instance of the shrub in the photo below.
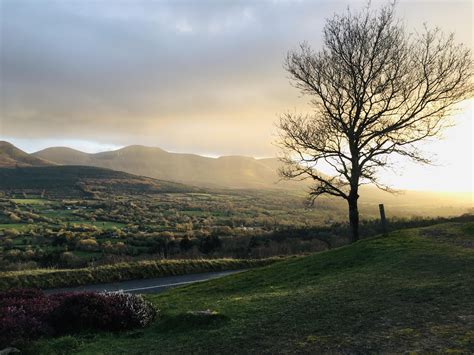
(17, 326)
(14, 218)
(26, 314)
(139, 311)
(101, 311)
(87, 244)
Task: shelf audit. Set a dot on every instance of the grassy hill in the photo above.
(11, 156)
(410, 291)
(80, 181)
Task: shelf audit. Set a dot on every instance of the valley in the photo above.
(73, 216)
(236, 177)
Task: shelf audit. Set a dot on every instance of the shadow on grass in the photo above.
(188, 321)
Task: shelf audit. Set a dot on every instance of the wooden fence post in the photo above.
(383, 220)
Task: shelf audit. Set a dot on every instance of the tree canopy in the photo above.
(376, 90)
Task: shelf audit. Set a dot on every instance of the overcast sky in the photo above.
(188, 76)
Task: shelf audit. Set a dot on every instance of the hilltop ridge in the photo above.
(226, 171)
(11, 156)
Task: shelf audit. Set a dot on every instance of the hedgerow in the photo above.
(52, 278)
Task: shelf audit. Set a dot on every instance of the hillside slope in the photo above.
(64, 156)
(248, 173)
(410, 291)
(11, 156)
(228, 171)
(64, 181)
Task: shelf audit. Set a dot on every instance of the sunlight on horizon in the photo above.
(453, 157)
(450, 157)
(121, 74)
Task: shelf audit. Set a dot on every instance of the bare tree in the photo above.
(376, 91)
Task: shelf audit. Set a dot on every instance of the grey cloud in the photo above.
(128, 71)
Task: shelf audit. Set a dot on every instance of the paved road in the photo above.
(155, 285)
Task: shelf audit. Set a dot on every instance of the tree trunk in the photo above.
(353, 218)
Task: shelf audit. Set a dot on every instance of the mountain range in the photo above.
(186, 172)
(21, 172)
(226, 172)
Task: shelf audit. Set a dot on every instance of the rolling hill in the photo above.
(408, 292)
(239, 172)
(67, 181)
(227, 171)
(11, 156)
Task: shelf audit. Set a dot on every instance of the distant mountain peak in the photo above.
(11, 156)
(60, 149)
(236, 157)
(139, 148)
(4, 144)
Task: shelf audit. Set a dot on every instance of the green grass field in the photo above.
(30, 201)
(17, 226)
(99, 224)
(410, 291)
(65, 214)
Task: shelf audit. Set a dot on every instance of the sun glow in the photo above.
(453, 155)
